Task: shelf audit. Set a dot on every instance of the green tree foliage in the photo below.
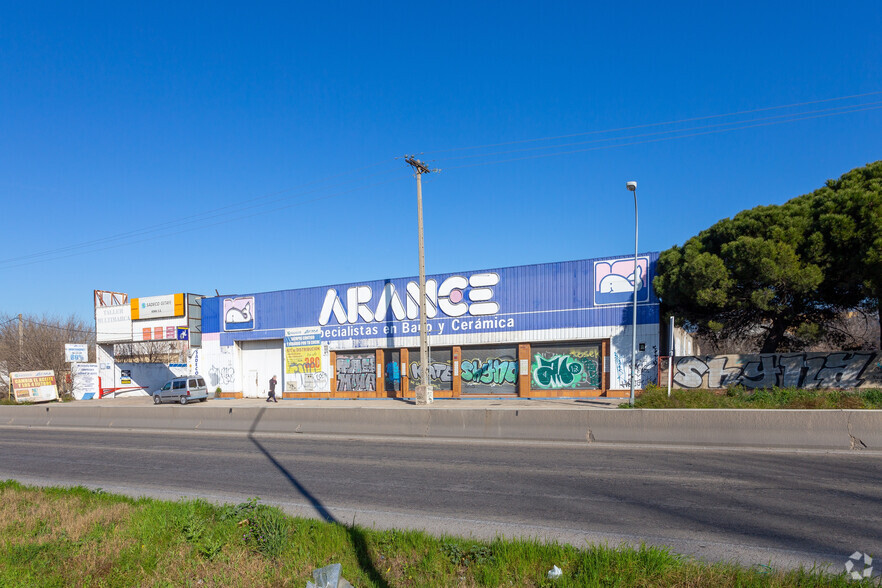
(782, 274)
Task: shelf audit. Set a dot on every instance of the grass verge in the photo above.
(82, 537)
(738, 397)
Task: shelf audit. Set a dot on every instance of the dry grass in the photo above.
(50, 518)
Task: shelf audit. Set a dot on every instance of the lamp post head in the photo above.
(632, 186)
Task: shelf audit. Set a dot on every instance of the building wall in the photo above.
(577, 302)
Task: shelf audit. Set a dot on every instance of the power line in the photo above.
(602, 147)
(842, 109)
(56, 327)
(655, 124)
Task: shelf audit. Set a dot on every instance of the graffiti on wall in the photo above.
(357, 373)
(440, 374)
(495, 371)
(646, 366)
(804, 370)
(313, 382)
(221, 376)
(489, 370)
(577, 368)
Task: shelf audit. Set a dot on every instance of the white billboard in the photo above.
(85, 381)
(153, 307)
(113, 323)
(76, 352)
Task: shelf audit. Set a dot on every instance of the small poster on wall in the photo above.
(307, 361)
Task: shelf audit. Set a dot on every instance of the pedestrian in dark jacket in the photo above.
(272, 390)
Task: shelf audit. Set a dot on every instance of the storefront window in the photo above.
(573, 366)
(489, 370)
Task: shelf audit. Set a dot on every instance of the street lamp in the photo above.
(424, 393)
(632, 186)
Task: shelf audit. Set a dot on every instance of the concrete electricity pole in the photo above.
(424, 390)
(20, 341)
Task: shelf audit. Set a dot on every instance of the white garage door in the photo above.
(261, 360)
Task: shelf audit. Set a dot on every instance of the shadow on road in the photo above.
(355, 535)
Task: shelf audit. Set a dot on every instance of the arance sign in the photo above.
(453, 297)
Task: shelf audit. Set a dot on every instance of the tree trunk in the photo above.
(879, 318)
(774, 337)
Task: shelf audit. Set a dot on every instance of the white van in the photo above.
(183, 390)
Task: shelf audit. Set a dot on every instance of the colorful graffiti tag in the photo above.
(357, 373)
(491, 371)
(804, 370)
(574, 368)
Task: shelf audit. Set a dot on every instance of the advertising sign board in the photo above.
(152, 307)
(239, 313)
(306, 360)
(113, 323)
(36, 386)
(85, 381)
(76, 352)
(472, 307)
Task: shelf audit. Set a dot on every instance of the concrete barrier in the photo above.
(813, 429)
(810, 429)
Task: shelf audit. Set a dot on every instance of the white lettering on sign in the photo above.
(449, 298)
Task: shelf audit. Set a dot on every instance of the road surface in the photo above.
(786, 508)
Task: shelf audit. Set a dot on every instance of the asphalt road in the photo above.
(756, 507)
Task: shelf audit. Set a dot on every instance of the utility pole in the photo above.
(424, 390)
(20, 341)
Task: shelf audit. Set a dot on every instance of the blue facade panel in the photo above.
(583, 293)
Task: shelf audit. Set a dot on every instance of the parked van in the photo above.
(183, 390)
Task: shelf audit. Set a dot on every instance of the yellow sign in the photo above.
(34, 386)
(303, 360)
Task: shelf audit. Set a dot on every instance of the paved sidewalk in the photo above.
(488, 403)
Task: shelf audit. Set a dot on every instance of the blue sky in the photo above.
(194, 147)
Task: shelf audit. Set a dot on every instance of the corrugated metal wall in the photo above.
(584, 300)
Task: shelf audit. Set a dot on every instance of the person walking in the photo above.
(272, 390)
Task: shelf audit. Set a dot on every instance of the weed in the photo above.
(473, 554)
(241, 511)
(265, 529)
(209, 546)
